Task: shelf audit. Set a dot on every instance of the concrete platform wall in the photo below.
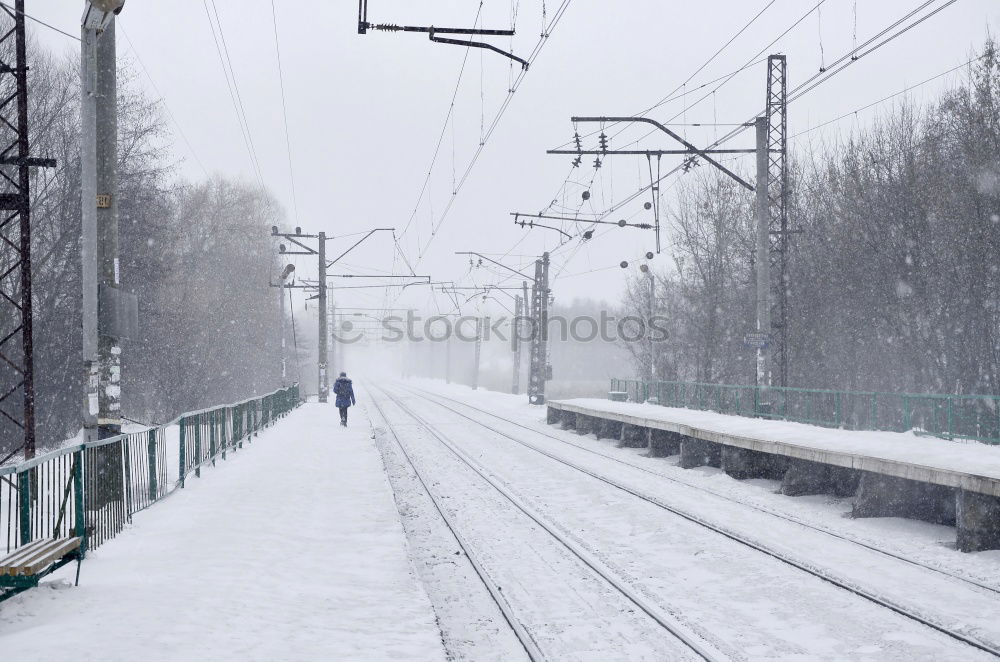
(878, 490)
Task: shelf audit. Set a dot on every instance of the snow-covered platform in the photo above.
(892, 474)
(292, 549)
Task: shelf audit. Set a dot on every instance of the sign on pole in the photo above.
(756, 339)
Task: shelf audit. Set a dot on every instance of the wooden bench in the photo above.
(25, 566)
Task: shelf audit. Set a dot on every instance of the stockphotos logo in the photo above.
(466, 328)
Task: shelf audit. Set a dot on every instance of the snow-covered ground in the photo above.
(320, 543)
(291, 549)
(747, 604)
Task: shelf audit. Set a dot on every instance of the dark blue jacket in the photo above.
(344, 391)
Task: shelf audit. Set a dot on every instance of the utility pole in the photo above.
(109, 314)
(297, 238)
(109, 352)
(515, 340)
(88, 208)
(649, 321)
(17, 343)
(539, 368)
(777, 198)
(324, 377)
(447, 360)
(479, 346)
(289, 269)
(763, 263)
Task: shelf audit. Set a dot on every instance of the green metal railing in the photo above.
(93, 489)
(975, 417)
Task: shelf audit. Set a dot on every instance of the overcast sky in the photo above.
(365, 112)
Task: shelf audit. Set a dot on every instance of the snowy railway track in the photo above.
(523, 636)
(817, 572)
(701, 649)
(687, 484)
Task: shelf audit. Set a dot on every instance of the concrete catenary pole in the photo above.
(649, 325)
(515, 340)
(763, 262)
(324, 377)
(479, 347)
(88, 245)
(447, 359)
(108, 349)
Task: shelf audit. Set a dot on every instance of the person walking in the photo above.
(344, 391)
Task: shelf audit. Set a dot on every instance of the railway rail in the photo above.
(818, 572)
(688, 484)
(700, 649)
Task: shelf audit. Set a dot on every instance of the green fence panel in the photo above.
(974, 417)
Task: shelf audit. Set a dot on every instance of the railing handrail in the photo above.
(951, 416)
(799, 389)
(73, 448)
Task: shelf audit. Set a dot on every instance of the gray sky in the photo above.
(366, 112)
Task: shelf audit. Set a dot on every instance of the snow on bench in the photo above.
(25, 566)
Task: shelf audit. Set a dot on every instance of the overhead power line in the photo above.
(444, 129)
(227, 69)
(39, 21)
(284, 111)
(886, 98)
(163, 100)
(811, 83)
(493, 126)
(814, 81)
(535, 52)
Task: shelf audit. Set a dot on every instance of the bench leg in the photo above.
(79, 561)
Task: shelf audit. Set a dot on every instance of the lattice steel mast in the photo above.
(17, 390)
(777, 198)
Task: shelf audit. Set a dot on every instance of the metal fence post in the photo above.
(127, 464)
(197, 446)
(951, 419)
(873, 424)
(182, 471)
(212, 441)
(24, 505)
(906, 413)
(151, 464)
(80, 524)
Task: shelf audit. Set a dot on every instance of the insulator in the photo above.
(603, 138)
(597, 163)
(576, 162)
(576, 139)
